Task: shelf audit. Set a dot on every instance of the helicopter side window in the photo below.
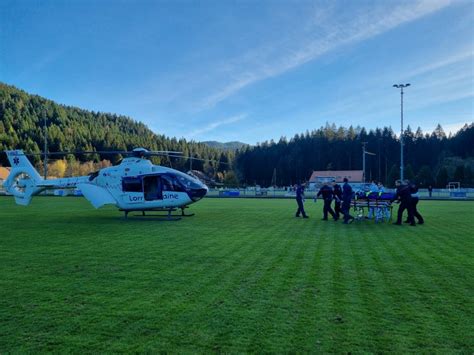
(170, 183)
(132, 184)
(167, 183)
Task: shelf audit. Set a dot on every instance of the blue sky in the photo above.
(246, 70)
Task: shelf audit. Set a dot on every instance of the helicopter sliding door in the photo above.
(152, 188)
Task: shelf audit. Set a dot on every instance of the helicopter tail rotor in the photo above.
(23, 180)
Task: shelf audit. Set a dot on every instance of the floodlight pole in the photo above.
(45, 160)
(364, 153)
(363, 161)
(401, 86)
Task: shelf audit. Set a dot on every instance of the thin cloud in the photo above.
(39, 65)
(440, 81)
(213, 125)
(286, 56)
(454, 59)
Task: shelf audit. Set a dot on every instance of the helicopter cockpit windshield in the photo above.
(195, 188)
(189, 182)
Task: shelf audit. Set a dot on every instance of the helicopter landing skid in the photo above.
(160, 217)
(183, 214)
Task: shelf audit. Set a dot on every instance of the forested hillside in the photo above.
(431, 158)
(74, 129)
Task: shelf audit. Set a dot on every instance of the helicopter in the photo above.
(134, 185)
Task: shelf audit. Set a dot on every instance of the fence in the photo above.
(437, 194)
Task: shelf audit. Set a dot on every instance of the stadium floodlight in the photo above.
(401, 86)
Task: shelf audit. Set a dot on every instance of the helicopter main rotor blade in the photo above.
(80, 152)
(198, 159)
(105, 152)
(161, 152)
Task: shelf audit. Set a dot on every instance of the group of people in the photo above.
(341, 195)
(406, 194)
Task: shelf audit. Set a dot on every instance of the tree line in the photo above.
(430, 158)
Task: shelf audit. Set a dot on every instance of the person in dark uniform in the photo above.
(337, 191)
(414, 201)
(430, 190)
(326, 192)
(403, 195)
(300, 201)
(346, 201)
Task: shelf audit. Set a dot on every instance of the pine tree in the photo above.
(393, 175)
(409, 173)
(442, 178)
(468, 177)
(425, 176)
(459, 174)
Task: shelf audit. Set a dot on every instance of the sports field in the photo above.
(243, 275)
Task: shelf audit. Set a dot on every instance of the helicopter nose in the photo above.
(197, 194)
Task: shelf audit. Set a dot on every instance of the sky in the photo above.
(246, 71)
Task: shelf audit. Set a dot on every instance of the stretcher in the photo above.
(376, 206)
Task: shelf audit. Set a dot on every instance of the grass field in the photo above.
(241, 276)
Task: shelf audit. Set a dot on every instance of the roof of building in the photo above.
(4, 172)
(339, 175)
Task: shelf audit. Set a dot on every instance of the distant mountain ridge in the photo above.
(234, 145)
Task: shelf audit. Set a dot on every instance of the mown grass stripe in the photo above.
(435, 309)
(206, 283)
(308, 328)
(248, 264)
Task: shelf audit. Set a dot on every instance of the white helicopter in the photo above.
(133, 185)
